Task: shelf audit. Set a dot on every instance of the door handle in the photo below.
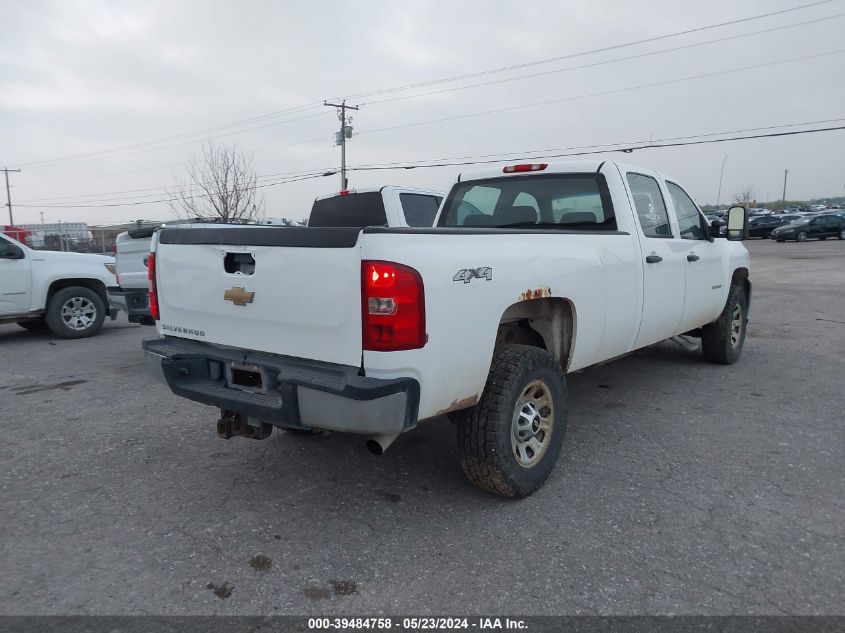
(692, 257)
(653, 259)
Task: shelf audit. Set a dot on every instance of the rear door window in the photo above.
(649, 204)
(419, 209)
(689, 217)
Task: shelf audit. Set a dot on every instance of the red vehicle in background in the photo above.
(17, 233)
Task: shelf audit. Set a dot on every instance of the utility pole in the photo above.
(6, 171)
(340, 137)
(783, 204)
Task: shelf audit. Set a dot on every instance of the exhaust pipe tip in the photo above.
(374, 447)
(379, 443)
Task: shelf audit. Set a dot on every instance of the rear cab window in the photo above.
(350, 210)
(419, 209)
(550, 201)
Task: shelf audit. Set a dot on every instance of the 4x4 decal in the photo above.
(466, 275)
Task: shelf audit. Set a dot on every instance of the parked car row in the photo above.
(819, 227)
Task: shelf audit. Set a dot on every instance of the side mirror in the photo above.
(737, 222)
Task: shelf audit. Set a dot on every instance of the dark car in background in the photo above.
(820, 226)
(763, 225)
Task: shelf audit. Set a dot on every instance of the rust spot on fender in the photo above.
(537, 293)
(461, 403)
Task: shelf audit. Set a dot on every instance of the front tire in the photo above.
(722, 340)
(75, 312)
(509, 442)
(802, 236)
(842, 234)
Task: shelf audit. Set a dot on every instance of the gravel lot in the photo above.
(683, 487)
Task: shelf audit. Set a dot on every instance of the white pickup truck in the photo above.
(531, 272)
(385, 206)
(131, 250)
(65, 292)
(388, 206)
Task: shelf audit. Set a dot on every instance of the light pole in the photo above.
(721, 173)
(783, 204)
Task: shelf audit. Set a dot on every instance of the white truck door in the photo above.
(663, 262)
(704, 294)
(15, 278)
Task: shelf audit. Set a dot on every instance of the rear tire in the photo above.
(36, 325)
(75, 312)
(802, 236)
(842, 234)
(722, 340)
(510, 441)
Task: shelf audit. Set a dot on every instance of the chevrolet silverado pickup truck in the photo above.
(64, 292)
(531, 272)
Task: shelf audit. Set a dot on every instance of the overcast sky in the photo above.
(89, 77)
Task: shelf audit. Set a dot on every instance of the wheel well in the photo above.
(547, 323)
(740, 278)
(93, 284)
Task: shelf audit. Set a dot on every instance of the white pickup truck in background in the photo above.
(531, 272)
(384, 206)
(388, 206)
(65, 292)
(131, 251)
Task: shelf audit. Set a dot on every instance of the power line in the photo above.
(158, 190)
(588, 150)
(100, 153)
(659, 144)
(504, 156)
(602, 93)
(587, 52)
(110, 153)
(601, 62)
(133, 204)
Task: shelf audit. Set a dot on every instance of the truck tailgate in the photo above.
(301, 297)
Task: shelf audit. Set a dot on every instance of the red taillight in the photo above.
(345, 192)
(392, 307)
(151, 270)
(517, 169)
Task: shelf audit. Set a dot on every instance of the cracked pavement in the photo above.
(683, 487)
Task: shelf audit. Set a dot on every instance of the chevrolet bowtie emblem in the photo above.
(238, 296)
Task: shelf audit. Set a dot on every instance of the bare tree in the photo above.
(221, 185)
(745, 196)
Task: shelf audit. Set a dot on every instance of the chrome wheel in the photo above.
(533, 422)
(802, 236)
(736, 325)
(78, 313)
